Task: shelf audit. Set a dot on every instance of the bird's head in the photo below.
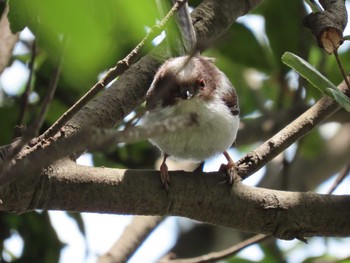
(183, 78)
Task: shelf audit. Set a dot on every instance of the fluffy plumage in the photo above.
(193, 85)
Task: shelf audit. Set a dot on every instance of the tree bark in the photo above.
(203, 197)
(286, 215)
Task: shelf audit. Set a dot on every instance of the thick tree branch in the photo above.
(131, 87)
(286, 215)
(212, 18)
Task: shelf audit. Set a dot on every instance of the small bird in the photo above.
(193, 84)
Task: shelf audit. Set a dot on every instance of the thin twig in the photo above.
(25, 95)
(215, 256)
(32, 130)
(339, 179)
(48, 98)
(340, 65)
(26, 135)
(112, 73)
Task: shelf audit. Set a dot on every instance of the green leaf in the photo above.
(315, 77)
(342, 99)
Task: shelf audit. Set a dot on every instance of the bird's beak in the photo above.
(189, 94)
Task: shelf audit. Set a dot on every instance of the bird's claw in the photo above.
(231, 172)
(230, 169)
(164, 176)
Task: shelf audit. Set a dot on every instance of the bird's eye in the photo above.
(201, 83)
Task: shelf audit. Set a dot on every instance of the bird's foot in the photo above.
(164, 174)
(230, 169)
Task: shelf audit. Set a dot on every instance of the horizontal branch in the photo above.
(90, 139)
(202, 197)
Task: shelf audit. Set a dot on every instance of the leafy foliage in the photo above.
(91, 36)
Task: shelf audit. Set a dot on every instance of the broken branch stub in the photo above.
(328, 25)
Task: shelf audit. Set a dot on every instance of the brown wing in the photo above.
(231, 101)
(213, 76)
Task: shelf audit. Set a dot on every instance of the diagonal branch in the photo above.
(258, 158)
(342, 175)
(215, 256)
(112, 73)
(133, 236)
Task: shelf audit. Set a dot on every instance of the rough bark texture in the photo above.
(286, 215)
(66, 186)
